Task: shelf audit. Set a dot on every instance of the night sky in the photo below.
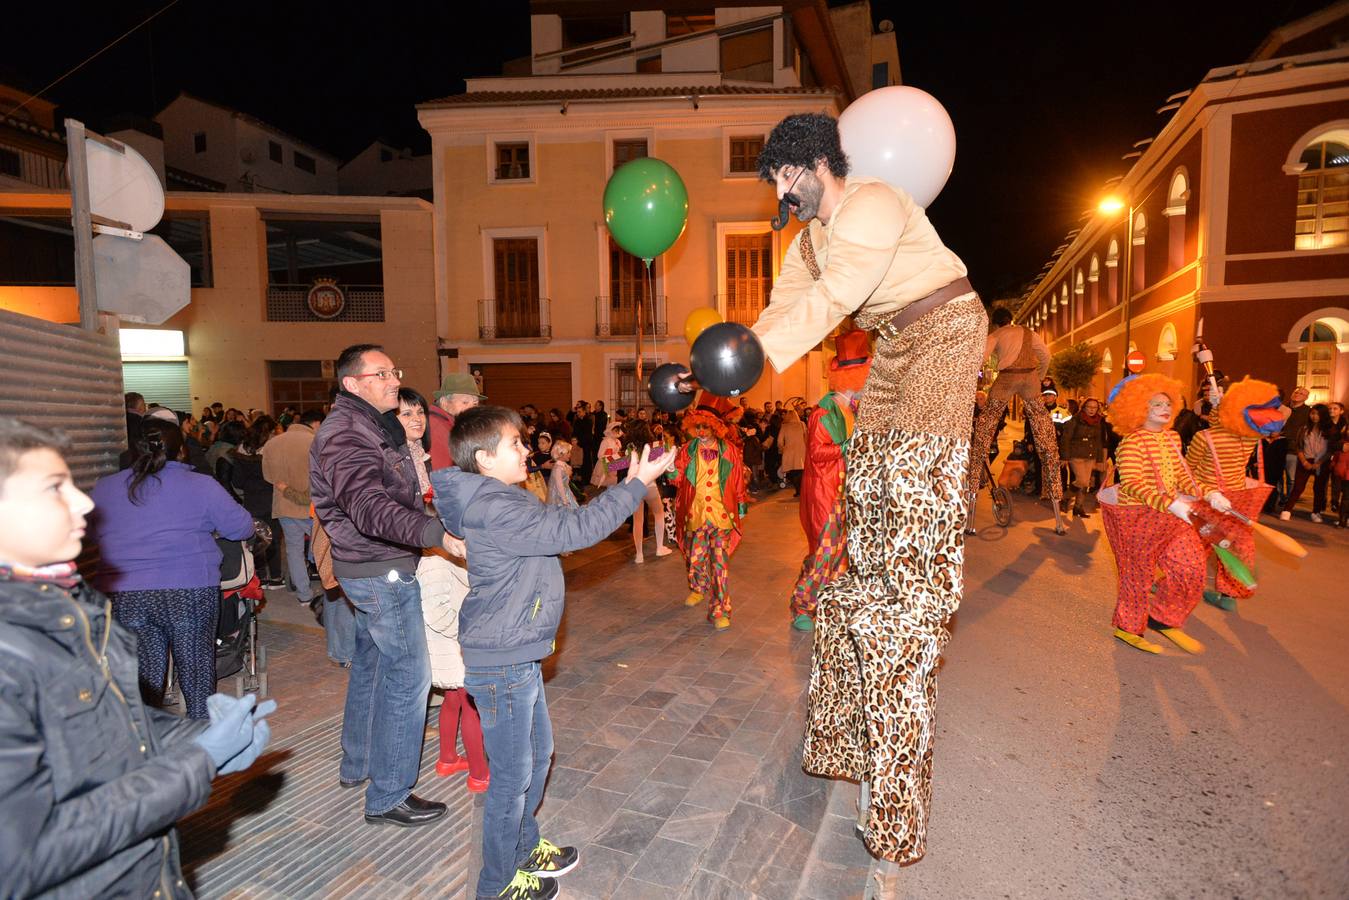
(1045, 97)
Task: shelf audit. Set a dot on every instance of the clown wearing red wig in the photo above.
(823, 512)
(711, 479)
(1147, 517)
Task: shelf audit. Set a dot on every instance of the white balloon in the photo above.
(901, 135)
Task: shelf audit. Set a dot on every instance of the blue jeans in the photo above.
(339, 625)
(385, 717)
(518, 736)
(296, 530)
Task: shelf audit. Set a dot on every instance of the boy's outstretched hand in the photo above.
(646, 469)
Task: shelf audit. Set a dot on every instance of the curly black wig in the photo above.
(802, 140)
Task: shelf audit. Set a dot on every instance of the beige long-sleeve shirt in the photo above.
(878, 254)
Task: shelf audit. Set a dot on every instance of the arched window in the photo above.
(1080, 289)
(1094, 280)
(1316, 360)
(1140, 240)
(1107, 361)
(1176, 201)
(1065, 317)
(1112, 276)
(1166, 345)
(1322, 191)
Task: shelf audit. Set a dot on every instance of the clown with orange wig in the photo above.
(822, 506)
(1147, 517)
(711, 479)
(1245, 412)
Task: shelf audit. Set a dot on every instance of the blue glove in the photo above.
(232, 727)
(262, 733)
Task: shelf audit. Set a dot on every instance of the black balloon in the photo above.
(727, 359)
(663, 386)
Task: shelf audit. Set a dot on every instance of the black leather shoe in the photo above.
(410, 813)
(342, 782)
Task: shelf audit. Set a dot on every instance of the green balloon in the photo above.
(646, 206)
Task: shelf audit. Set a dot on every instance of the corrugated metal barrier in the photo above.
(65, 379)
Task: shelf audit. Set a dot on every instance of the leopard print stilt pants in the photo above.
(1038, 420)
(880, 627)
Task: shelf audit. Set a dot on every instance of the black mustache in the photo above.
(784, 215)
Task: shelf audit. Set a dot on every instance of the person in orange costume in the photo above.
(710, 501)
(1246, 411)
(823, 513)
(1147, 517)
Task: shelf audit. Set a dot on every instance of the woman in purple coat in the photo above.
(155, 527)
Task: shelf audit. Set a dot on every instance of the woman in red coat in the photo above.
(822, 509)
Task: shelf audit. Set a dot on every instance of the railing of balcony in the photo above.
(514, 319)
(290, 303)
(740, 309)
(33, 168)
(616, 317)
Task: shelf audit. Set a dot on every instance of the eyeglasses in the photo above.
(383, 374)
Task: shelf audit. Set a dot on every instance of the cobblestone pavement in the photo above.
(677, 768)
(1067, 764)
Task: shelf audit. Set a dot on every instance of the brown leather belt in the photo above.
(917, 309)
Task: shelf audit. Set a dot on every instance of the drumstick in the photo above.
(1276, 538)
(1279, 540)
(1235, 567)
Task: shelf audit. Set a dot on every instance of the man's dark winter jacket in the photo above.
(516, 590)
(91, 779)
(366, 494)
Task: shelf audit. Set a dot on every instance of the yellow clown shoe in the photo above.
(1182, 640)
(721, 623)
(693, 599)
(1137, 640)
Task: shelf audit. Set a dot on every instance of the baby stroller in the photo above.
(237, 650)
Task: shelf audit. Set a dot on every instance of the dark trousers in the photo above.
(181, 621)
(1320, 478)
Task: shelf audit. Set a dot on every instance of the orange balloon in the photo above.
(699, 321)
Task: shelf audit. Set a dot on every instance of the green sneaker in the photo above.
(525, 886)
(549, 860)
(803, 622)
(1222, 601)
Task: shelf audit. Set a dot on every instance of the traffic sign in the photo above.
(1135, 361)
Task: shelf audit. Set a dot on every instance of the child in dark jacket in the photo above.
(507, 625)
(91, 779)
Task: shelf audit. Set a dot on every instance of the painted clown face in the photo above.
(1159, 412)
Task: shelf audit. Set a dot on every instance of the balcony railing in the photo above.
(743, 310)
(616, 317)
(514, 319)
(290, 303)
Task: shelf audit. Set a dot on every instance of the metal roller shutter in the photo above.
(546, 385)
(164, 383)
(69, 380)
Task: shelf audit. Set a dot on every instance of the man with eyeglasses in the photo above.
(367, 498)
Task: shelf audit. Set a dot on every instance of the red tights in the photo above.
(458, 711)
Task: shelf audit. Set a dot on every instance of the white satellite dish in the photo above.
(141, 281)
(123, 187)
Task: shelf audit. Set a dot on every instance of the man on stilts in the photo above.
(870, 252)
(1023, 360)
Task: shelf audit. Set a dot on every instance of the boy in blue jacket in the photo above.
(507, 625)
(91, 778)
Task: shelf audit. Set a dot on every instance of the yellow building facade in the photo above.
(249, 336)
(546, 217)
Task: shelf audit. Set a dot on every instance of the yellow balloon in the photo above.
(699, 321)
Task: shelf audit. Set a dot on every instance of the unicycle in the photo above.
(1002, 498)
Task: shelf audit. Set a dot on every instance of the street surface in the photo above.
(1067, 764)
